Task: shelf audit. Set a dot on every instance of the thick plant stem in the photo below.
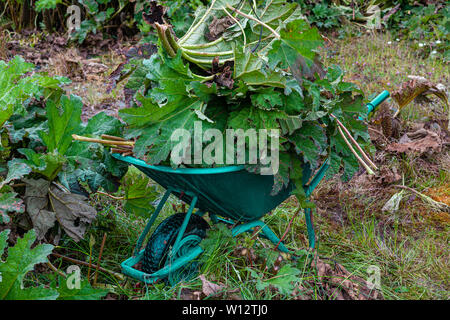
(106, 142)
(192, 30)
(164, 35)
(203, 45)
(207, 54)
(355, 143)
(361, 161)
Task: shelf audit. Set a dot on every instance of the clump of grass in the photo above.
(378, 62)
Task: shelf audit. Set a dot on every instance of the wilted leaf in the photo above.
(209, 288)
(419, 87)
(72, 212)
(339, 284)
(420, 141)
(393, 203)
(36, 200)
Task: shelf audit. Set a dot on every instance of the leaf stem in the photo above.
(203, 45)
(276, 34)
(207, 54)
(238, 23)
(188, 34)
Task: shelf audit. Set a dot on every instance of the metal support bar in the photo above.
(184, 224)
(264, 229)
(310, 228)
(151, 221)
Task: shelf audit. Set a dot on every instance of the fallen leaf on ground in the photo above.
(419, 141)
(72, 212)
(339, 284)
(209, 288)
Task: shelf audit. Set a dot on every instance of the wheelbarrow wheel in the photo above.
(158, 247)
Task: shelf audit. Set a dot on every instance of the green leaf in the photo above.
(283, 281)
(139, 194)
(46, 4)
(48, 164)
(297, 39)
(268, 99)
(102, 123)
(85, 292)
(21, 259)
(63, 121)
(9, 202)
(17, 169)
(13, 89)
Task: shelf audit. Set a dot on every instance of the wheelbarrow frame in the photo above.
(127, 265)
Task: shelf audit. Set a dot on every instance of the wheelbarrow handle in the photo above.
(372, 105)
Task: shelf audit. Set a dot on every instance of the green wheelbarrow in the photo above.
(173, 248)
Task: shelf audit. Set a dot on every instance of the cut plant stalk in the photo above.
(355, 143)
(360, 160)
(108, 137)
(105, 142)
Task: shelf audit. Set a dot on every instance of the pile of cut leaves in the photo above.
(245, 65)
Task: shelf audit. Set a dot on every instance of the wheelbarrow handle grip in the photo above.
(372, 105)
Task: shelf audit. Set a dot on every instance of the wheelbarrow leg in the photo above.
(184, 224)
(266, 231)
(151, 221)
(310, 228)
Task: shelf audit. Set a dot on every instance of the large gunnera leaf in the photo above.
(20, 260)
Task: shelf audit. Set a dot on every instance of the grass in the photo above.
(410, 246)
(377, 62)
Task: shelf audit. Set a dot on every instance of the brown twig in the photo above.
(56, 269)
(288, 227)
(108, 137)
(99, 258)
(117, 275)
(111, 196)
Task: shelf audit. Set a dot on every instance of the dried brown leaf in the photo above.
(209, 288)
(419, 141)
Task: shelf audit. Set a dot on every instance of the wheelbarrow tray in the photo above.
(231, 192)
